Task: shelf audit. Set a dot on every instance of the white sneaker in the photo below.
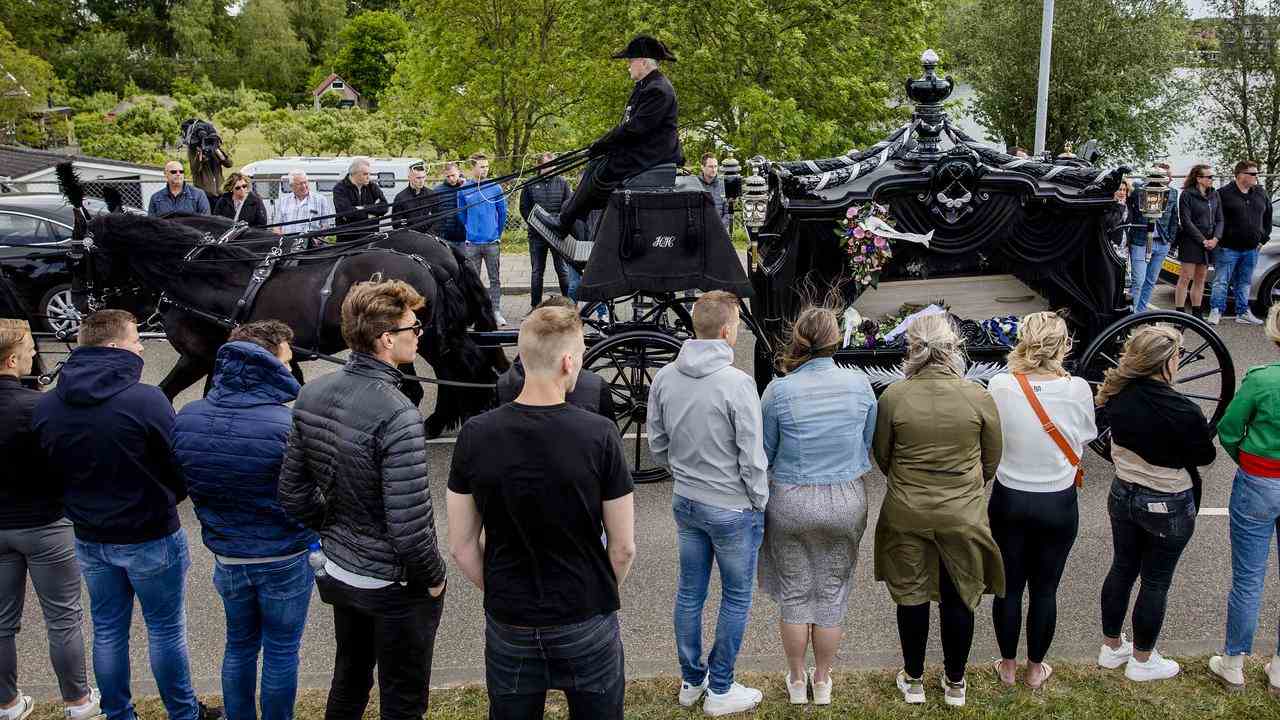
(502, 322)
(954, 693)
(1112, 659)
(1273, 676)
(1248, 318)
(1155, 668)
(912, 689)
(1214, 316)
(21, 711)
(797, 690)
(821, 691)
(738, 698)
(90, 709)
(1150, 307)
(1229, 669)
(689, 694)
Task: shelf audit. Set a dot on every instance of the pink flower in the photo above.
(859, 232)
(853, 211)
(880, 243)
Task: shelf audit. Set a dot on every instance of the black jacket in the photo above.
(647, 134)
(29, 496)
(1246, 218)
(1199, 216)
(356, 471)
(1160, 425)
(357, 205)
(591, 393)
(549, 192)
(449, 226)
(417, 208)
(253, 212)
(108, 437)
(1119, 221)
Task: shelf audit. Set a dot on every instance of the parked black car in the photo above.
(34, 230)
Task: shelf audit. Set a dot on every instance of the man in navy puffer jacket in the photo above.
(230, 446)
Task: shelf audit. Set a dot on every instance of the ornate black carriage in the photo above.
(987, 215)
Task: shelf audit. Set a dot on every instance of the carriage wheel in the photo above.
(628, 363)
(1206, 372)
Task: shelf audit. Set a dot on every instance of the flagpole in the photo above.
(1042, 91)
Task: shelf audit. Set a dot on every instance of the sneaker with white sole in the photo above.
(1248, 318)
(1229, 669)
(797, 690)
(90, 709)
(1272, 669)
(912, 689)
(738, 698)
(953, 692)
(1112, 659)
(502, 322)
(821, 690)
(1155, 668)
(1215, 315)
(689, 694)
(20, 711)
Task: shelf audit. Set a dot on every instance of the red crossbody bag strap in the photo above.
(1050, 428)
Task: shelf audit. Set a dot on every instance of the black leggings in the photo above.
(1035, 532)
(957, 630)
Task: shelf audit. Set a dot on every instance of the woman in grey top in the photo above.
(818, 423)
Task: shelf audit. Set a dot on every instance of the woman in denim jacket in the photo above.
(818, 424)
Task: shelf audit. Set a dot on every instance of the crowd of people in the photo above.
(1209, 225)
(334, 492)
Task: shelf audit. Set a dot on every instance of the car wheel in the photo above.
(1268, 294)
(59, 310)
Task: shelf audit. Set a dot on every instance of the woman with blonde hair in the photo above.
(1159, 439)
(938, 442)
(818, 423)
(1250, 433)
(1033, 511)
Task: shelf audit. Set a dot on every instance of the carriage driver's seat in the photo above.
(658, 176)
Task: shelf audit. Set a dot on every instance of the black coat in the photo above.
(357, 205)
(253, 212)
(29, 496)
(417, 208)
(1199, 216)
(356, 472)
(551, 193)
(448, 224)
(647, 134)
(591, 393)
(1246, 218)
(1161, 425)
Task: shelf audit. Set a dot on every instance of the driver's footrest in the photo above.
(562, 242)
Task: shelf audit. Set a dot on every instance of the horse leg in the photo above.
(296, 369)
(412, 389)
(184, 374)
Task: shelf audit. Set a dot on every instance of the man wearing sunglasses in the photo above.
(1246, 215)
(178, 196)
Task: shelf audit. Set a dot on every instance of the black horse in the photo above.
(204, 288)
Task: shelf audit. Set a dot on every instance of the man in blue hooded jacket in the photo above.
(107, 437)
(482, 210)
(230, 446)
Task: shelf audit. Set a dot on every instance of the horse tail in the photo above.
(457, 358)
(480, 310)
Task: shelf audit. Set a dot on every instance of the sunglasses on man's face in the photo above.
(1254, 173)
(175, 172)
(416, 328)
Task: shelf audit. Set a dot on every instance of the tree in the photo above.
(1130, 102)
(144, 22)
(272, 58)
(1240, 93)
(42, 26)
(25, 80)
(368, 48)
(120, 146)
(205, 32)
(103, 61)
(317, 23)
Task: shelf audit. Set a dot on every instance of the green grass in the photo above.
(1076, 692)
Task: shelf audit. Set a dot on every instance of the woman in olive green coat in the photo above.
(938, 441)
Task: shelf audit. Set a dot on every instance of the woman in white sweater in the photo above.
(1033, 512)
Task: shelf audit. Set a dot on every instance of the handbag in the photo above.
(1050, 428)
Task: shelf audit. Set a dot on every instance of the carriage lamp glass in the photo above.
(755, 201)
(1155, 195)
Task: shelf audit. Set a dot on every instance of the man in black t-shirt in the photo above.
(541, 478)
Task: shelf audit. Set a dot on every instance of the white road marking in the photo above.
(1213, 511)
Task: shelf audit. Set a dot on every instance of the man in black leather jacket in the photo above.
(358, 200)
(356, 471)
(549, 192)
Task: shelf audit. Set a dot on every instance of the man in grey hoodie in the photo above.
(704, 423)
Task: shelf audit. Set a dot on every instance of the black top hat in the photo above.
(645, 46)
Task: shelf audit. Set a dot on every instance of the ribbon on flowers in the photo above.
(875, 225)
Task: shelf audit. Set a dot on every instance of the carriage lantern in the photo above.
(755, 201)
(1155, 195)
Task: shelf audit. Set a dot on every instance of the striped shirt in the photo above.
(292, 210)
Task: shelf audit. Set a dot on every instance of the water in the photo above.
(316, 558)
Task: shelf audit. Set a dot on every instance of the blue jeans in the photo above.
(1255, 512)
(1234, 269)
(583, 659)
(732, 539)
(491, 255)
(572, 279)
(266, 607)
(1145, 274)
(155, 572)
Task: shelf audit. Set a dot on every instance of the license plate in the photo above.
(1171, 266)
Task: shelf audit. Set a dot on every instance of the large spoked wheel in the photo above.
(1206, 373)
(628, 363)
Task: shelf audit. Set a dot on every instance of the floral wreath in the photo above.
(867, 249)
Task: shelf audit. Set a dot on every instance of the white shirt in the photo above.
(1032, 461)
(291, 209)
